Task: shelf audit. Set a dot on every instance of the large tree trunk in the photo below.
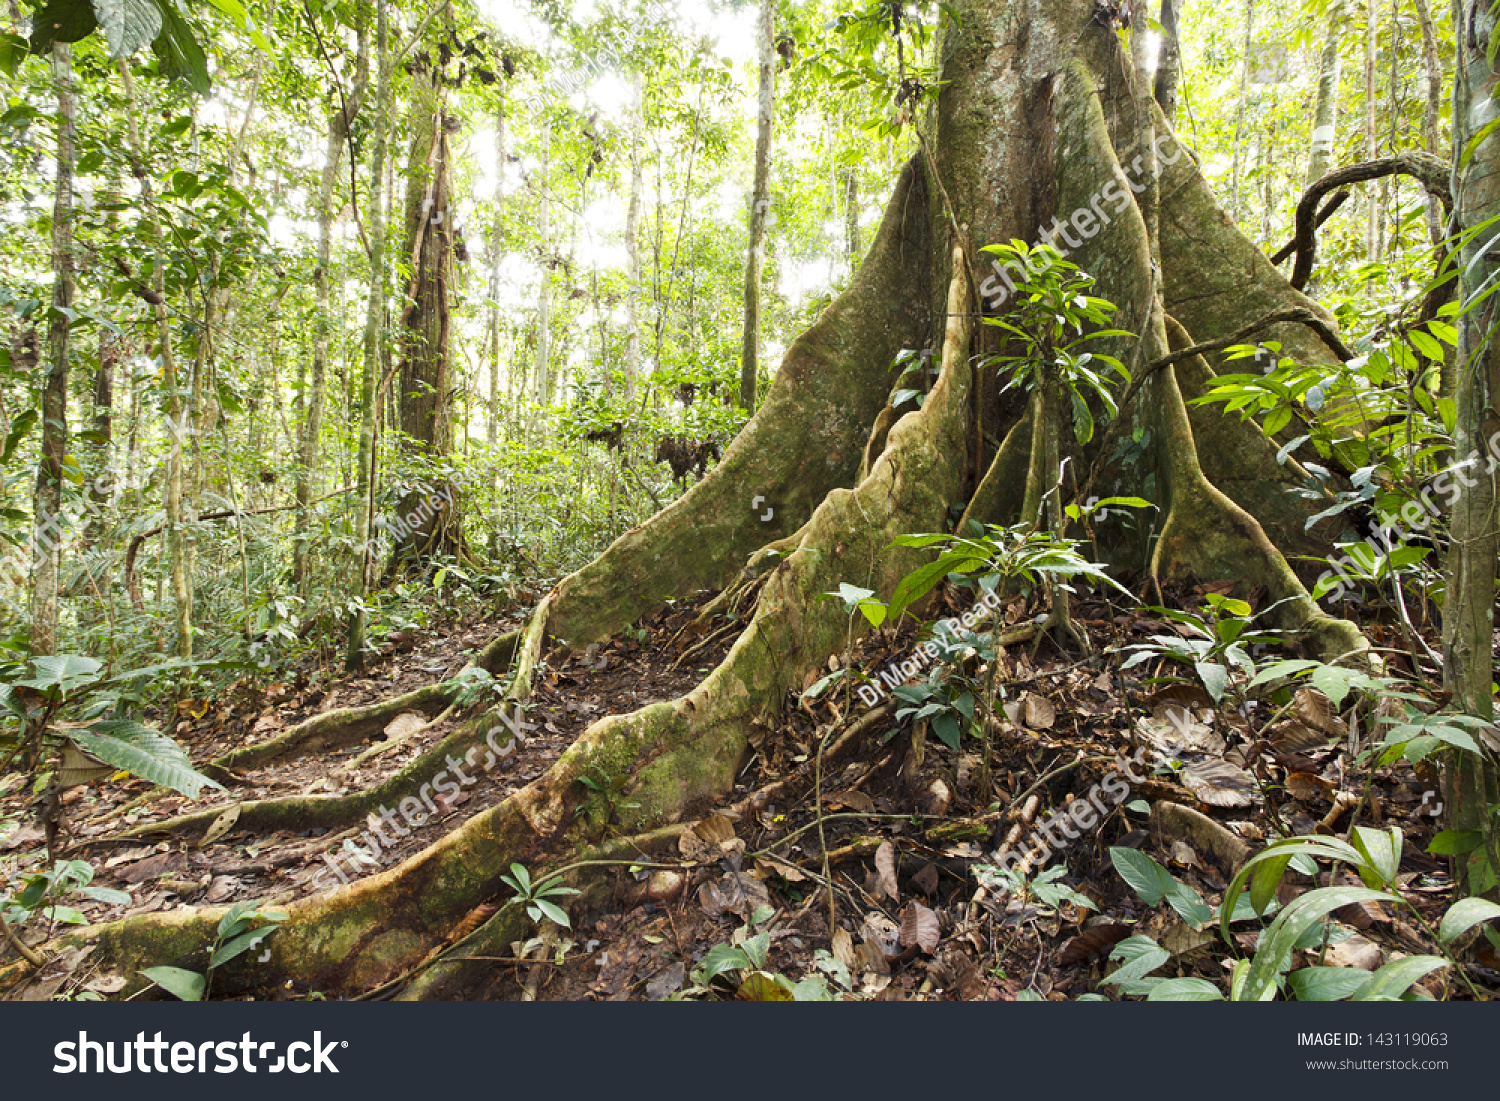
(1472, 784)
(1042, 118)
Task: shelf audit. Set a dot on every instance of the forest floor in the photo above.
(904, 822)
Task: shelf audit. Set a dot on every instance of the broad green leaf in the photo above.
(1146, 877)
(1277, 944)
(129, 25)
(1326, 984)
(1463, 915)
(1185, 990)
(1396, 977)
(143, 752)
(1455, 842)
(186, 985)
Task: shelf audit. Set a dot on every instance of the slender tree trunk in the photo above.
(1432, 75)
(1372, 226)
(543, 302)
(633, 244)
(1168, 62)
(1326, 114)
(1472, 786)
(328, 208)
(1239, 123)
(851, 219)
(760, 205)
(47, 504)
(497, 254)
(371, 358)
(182, 580)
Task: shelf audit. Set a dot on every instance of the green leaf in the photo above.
(180, 54)
(1396, 977)
(235, 947)
(1326, 984)
(1463, 915)
(1146, 877)
(1185, 990)
(1215, 678)
(143, 752)
(235, 918)
(129, 25)
(1455, 842)
(61, 21)
(723, 958)
(1382, 853)
(1278, 943)
(1139, 955)
(945, 726)
(187, 985)
(554, 912)
(18, 430)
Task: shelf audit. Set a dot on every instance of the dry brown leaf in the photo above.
(1304, 786)
(1219, 784)
(1187, 695)
(1039, 712)
(1294, 736)
(1092, 942)
(222, 825)
(789, 872)
(855, 800)
(1318, 712)
(919, 926)
(843, 948)
(716, 830)
(927, 879)
(404, 725)
(885, 868)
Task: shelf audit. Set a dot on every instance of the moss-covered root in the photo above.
(468, 744)
(665, 757)
(349, 725)
(806, 439)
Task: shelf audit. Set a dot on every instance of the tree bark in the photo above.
(47, 503)
(1168, 63)
(370, 360)
(1472, 785)
(1326, 114)
(333, 154)
(760, 202)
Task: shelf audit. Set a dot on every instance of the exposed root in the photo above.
(305, 812)
(348, 725)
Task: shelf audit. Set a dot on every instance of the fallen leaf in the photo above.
(222, 825)
(927, 879)
(843, 947)
(1357, 951)
(1093, 942)
(666, 982)
(1318, 712)
(885, 867)
(1219, 783)
(1038, 712)
(404, 725)
(919, 926)
(1304, 786)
